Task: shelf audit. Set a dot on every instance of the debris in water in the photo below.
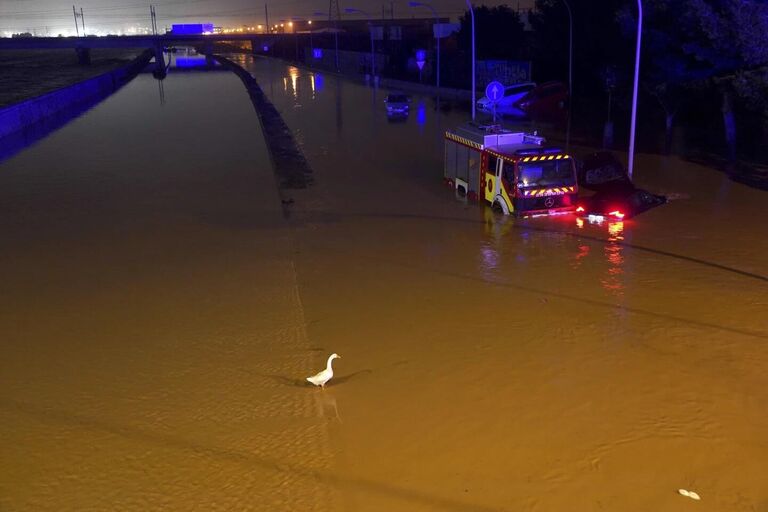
(690, 494)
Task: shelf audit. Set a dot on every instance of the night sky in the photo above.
(52, 17)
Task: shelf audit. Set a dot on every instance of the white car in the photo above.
(512, 94)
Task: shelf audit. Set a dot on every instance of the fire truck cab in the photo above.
(513, 171)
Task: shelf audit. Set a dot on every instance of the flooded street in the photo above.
(160, 309)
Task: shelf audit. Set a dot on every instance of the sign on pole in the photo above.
(494, 91)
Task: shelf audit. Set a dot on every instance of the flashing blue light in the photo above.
(265, 48)
(319, 82)
(421, 55)
(317, 53)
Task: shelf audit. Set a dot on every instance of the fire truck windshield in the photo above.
(546, 173)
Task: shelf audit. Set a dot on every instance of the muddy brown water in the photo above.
(159, 313)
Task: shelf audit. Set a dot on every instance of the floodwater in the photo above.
(160, 308)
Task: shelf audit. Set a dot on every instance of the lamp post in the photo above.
(437, 20)
(335, 36)
(370, 29)
(570, 47)
(631, 156)
(318, 13)
(474, 92)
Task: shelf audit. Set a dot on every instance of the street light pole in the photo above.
(437, 21)
(474, 92)
(370, 29)
(570, 47)
(631, 156)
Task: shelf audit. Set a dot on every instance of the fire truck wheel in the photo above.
(500, 206)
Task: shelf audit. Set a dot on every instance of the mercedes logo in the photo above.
(549, 202)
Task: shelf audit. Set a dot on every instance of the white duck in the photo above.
(324, 376)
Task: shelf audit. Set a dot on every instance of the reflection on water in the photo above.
(293, 73)
(312, 84)
(613, 281)
(583, 253)
(489, 261)
(421, 113)
(326, 406)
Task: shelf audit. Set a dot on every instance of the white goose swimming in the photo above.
(324, 376)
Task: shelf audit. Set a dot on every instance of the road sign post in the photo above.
(494, 91)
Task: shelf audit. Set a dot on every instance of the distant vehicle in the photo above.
(516, 172)
(397, 104)
(512, 95)
(549, 98)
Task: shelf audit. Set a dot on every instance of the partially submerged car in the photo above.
(397, 104)
(546, 100)
(616, 197)
(617, 201)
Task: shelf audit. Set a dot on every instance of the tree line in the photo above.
(695, 53)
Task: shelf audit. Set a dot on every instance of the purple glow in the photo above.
(317, 53)
(192, 28)
(190, 62)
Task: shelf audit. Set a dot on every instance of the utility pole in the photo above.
(77, 29)
(631, 158)
(82, 18)
(266, 18)
(334, 14)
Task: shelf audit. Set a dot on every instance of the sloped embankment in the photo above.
(290, 165)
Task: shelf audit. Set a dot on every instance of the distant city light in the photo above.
(309, 22)
(290, 23)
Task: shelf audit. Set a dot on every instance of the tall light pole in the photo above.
(316, 13)
(631, 157)
(437, 21)
(570, 47)
(474, 92)
(350, 10)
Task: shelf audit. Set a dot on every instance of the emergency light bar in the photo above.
(538, 151)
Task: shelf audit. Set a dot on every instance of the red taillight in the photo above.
(580, 209)
(617, 214)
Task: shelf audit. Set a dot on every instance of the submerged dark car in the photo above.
(618, 201)
(615, 197)
(397, 104)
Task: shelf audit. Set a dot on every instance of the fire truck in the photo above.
(516, 172)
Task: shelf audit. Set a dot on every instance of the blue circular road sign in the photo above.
(494, 91)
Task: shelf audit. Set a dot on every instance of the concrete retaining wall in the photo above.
(20, 116)
(288, 161)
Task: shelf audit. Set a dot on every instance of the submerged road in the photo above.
(159, 313)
